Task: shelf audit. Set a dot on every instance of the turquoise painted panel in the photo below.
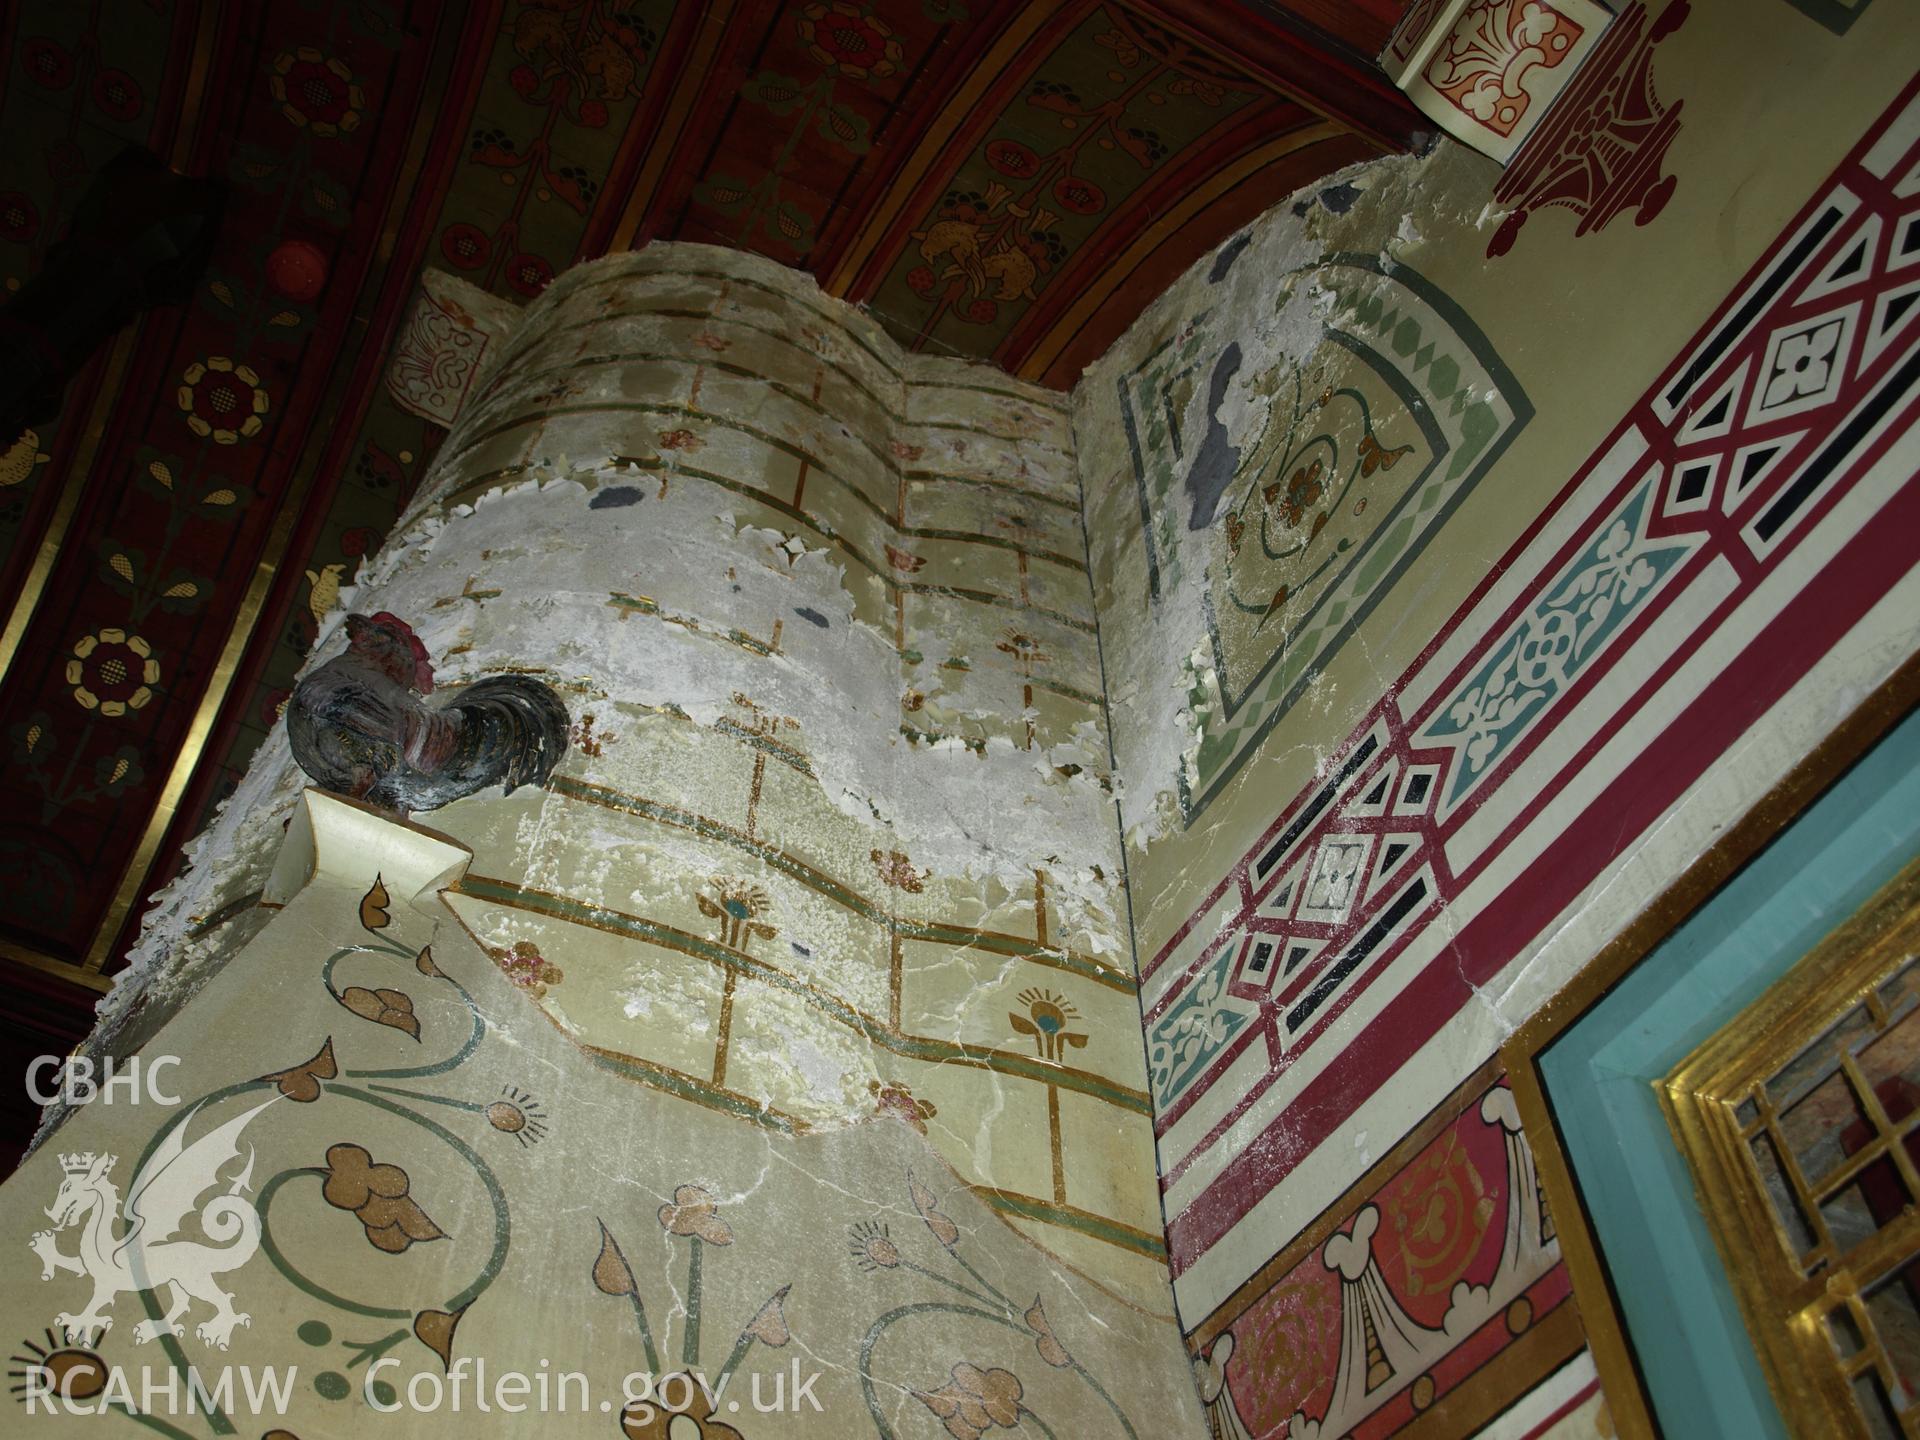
(1194, 1030)
(1701, 1372)
(1549, 648)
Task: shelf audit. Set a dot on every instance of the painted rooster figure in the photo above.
(359, 724)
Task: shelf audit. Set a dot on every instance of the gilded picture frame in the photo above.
(1613, 1353)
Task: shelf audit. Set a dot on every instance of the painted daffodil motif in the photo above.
(1046, 1021)
(872, 1246)
(738, 907)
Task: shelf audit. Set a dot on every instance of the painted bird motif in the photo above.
(324, 591)
(361, 724)
(20, 458)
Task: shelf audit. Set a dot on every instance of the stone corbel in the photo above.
(330, 833)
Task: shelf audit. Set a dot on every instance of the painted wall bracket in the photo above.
(360, 724)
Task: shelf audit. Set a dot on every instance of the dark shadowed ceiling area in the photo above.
(1010, 180)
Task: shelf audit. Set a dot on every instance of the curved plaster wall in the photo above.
(834, 848)
(836, 834)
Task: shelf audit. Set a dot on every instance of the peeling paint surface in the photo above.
(830, 869)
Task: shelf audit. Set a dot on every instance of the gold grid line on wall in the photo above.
(1801, 1121)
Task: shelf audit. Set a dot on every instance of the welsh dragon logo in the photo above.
(148, 1253)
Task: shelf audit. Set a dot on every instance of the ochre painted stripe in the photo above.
(1069, 1217)
(964, 937)
(877, 1032)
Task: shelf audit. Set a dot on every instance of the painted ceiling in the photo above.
(1010, 180)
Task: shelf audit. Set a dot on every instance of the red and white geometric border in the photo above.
(1748, 511)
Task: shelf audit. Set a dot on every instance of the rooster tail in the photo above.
(513, 732)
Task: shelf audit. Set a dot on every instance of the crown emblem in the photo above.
(81, 1164)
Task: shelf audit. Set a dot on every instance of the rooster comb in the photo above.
(403, 632)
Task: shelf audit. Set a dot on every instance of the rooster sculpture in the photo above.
(360, 724)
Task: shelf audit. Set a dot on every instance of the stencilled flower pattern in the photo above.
(601, 57)
(1483, 65)
(301, 1083)
(1303, 491)
(385, 1006)
(872, 1246)
(518, 1114)
(47, 64)
(377, 1194)
(1550, 646)
(1205, 91)
(1197, 1027)
(20, 217)
(20, 459)
(526, 967)
(693, 1212)
(1024, 649)
(529, 274)
(1044, 1340)
(1123, 46)
(1803, 364)
(1316, 443)
(897, 871)
(118, 95)
(316, 93)
(1047, 1022)
(975, 1401)
(975, 1398)
(118, 772)
(769, 1323)
(112, 672)
(971, 241)
(899, 1101)
(687, 1415)
(680, 1406)
(939, 1224)
(32, 739)
(223, 400)
(849, 41)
